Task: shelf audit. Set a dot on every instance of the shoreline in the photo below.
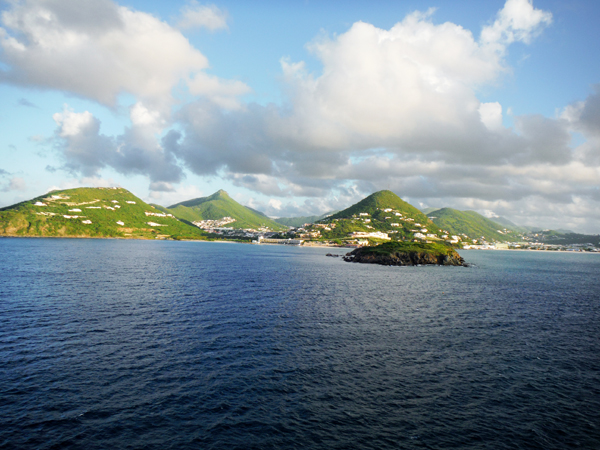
(277, 245)
(522, 250)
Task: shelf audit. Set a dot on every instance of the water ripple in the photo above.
(111, 344)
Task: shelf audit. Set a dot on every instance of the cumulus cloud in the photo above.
(518, 20)
(98, 49)
(195, 15)
(391, 109)
(86, 151)
(408, 92)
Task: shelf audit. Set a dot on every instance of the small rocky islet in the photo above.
(406, 254)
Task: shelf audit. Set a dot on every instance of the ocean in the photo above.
(174, 345)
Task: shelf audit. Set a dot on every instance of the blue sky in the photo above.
(302, 107)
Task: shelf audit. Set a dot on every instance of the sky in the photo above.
(303, 107)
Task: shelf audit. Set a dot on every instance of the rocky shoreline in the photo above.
(366, 255)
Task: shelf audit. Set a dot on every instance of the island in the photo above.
(406, 254)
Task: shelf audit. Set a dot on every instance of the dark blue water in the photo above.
(157, 345)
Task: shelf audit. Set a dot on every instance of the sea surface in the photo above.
(110, 344)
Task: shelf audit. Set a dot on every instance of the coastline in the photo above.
(314, 245)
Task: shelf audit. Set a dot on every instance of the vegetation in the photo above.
(389, 248)
(92, 212)
(378, 202)
(382, 211)
(557, 238)
(297, 222)
(406, 254)
(470, 223)
(220, 205)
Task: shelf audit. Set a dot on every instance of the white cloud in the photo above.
(195, 15)
(142, 116)
(98, 49)
(86, 150)
(275, 204)
(518, 20)
(72, 123)
(393, 109)
(410, 90)
(491, 115)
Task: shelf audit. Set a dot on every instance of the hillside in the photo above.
(382, 212)
(299, 221)
(221, 205)
(509, 225)
(555, 237)
(426, 211)
(92, 212)
(471, 224)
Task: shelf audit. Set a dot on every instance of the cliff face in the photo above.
(409, 258)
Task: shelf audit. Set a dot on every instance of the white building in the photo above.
(372, 234)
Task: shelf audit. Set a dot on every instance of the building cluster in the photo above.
(115, 206)
(154, 214)
(214, 224)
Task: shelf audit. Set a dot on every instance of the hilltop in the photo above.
(382, 216)
(92, 212)
(220, 206)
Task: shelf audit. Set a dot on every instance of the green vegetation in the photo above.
(379, 201)
(470, 223)
(92, 212)
(558, 238)
(383, 212)
(427, 211)
(297, 222)
(389, 248)
(406, 254)
(220, 205)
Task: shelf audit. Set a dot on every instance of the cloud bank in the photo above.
(395, 109)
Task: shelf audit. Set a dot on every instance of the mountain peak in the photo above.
(218, 206)
(379, 201)
(221, 193)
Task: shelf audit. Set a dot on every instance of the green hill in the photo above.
(92, 212)
(471, 224)
(376, 203)
(299, 221)
(505, 223)
(383, 212)
(220, 205)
